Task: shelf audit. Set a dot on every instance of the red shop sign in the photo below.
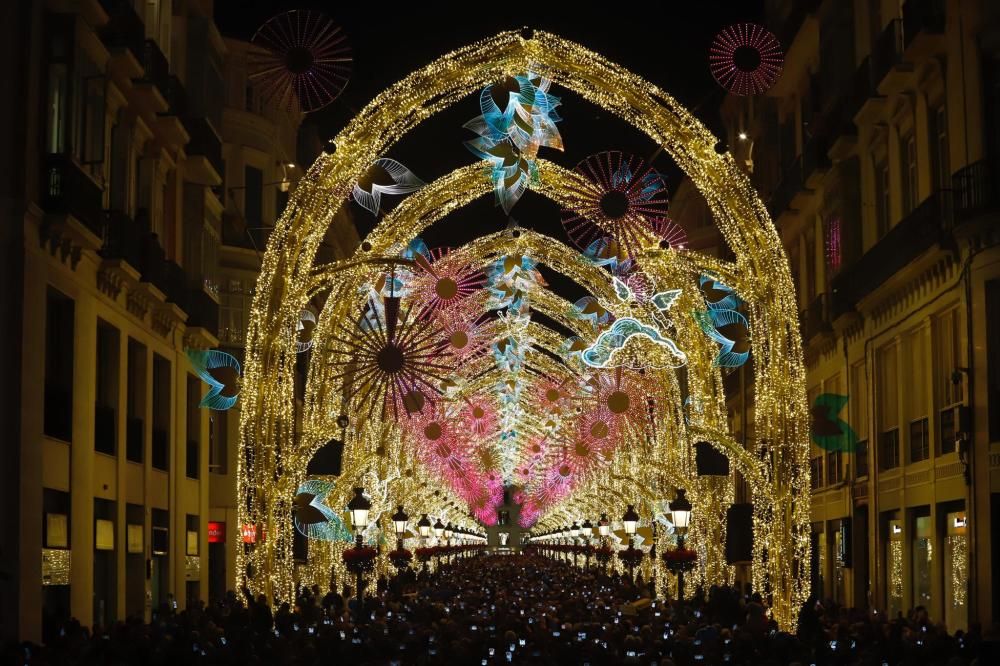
(216, 532)
(249, 533)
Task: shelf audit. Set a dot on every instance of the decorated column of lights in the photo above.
(267, 404)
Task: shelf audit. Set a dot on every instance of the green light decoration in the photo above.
(828, 431)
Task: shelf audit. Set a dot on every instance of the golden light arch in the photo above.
(287, 278)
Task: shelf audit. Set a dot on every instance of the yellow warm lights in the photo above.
(280, 434)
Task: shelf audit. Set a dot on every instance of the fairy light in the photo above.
(654, 454)
(958, 545)
(896, 569)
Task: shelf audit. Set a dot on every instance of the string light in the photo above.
(654, 454)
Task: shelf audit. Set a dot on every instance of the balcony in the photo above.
(793, 22)
(155, 81)
(69, 190)
(177, 101)
(202, 311)
(887, 51)
(861, 88)
(790, 185)
(816, 318)
(927, 226)
(976, 190)
(124, 238)
(124, 29)
(205, 142)
(814, 157)
(923, 27)
(173, 283)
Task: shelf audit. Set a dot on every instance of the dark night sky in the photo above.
(664, 42)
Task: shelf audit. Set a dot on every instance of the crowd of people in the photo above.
(510, 609)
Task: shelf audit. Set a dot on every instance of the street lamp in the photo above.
(604, 526)
(424, 527)
(438, 529)
(588, 532)
(359, 506)
(574, 530)
(448, 531)
(631, 522)
(680, 509)
(399, 520)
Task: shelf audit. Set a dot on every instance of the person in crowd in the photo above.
(524, 609)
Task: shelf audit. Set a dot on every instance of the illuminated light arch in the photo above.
(267, 416)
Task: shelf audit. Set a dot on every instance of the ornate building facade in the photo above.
(878, 152)
(139, 184)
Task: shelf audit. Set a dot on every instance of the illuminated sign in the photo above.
(216, 532)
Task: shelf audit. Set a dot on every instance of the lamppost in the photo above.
(680, 509)
(424, 528)
(587, 531)
(448, 531)
(439, 533)
(359, 506)
(399, 520)
(604, 528)
(574, 531)
(631, 522)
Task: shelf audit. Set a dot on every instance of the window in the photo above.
(57, 103)
(858, 400)
(834, 472)
(58, 407)
(106, 408)
(253, 197)
(920, 445)
(949, 394)
(135, 427)
(161, 413)
(93, 125)
(993, 357)
(861, 459)
(888, 449)
(940, 158)
(193, 450)
(57, 107)
(888, 413)
(234, 302)
(816, 472)
(251, 99)
(909, 163)
(882, 202)
(915, 381)
(218, 442)
(947, 358)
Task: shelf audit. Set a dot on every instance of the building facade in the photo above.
(138, 188)
(878, 152)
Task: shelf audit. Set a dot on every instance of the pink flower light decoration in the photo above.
(745, 59)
